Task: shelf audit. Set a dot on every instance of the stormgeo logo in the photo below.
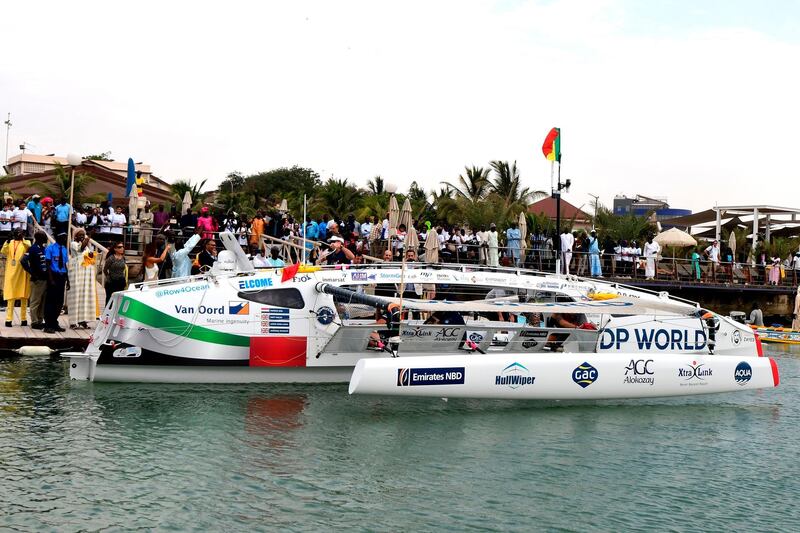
(743, 373)
(514, 376)
(694, 374)
(584, 375)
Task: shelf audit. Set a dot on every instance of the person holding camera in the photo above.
(82, 273)
(338, 253)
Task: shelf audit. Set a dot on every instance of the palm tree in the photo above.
(337, 197)
(508, 186)
(180, 187)
(375, 185)
(60, 188)
(472, 185)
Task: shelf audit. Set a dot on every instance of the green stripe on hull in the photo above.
(149, 316)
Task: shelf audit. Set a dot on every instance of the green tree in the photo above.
(181, 187)
(337, 198)
(507, 185)
(105, 156)
(376, 185)
(60, 187)
(625, 227)
(472, 185)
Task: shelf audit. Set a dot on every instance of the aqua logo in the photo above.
(584, 375)
(743, 373)
(514, 376)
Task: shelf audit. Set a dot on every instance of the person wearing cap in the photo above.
(338, 254)
(57, 259)
(35, 207)
(16, 281)
(492, 241)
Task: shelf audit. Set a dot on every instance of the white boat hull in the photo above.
(562, 376)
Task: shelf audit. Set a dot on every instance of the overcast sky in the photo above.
(695, 101)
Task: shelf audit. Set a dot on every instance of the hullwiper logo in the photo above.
(514, 376)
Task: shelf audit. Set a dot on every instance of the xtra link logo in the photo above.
(409, 377)
(584, 374)
(694, 373)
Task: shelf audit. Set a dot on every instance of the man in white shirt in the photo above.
(118, 221)
(5, 218)
(651, 250)
(713, 254)
(567, 242)
(366, 228)
(20, 217)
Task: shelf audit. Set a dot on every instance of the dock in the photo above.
(77, 339)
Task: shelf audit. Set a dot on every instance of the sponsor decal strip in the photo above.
(136, 310)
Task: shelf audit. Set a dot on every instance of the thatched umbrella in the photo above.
(432, 247)
(394, 214)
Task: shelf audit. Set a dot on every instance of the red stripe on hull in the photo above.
(776, 378)
(278, 351)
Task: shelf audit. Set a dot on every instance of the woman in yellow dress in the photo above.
(17, 282)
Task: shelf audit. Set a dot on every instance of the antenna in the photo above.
(8, 129)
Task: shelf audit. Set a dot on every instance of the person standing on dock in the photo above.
(513, 236)
(37, 268)
(82, 293)
(57, 258)
(594, 256)
(492, 244)
(651, 251)
(16, 282)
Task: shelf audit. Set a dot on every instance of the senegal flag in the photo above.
(552, 145)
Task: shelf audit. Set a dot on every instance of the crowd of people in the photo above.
(178, 245)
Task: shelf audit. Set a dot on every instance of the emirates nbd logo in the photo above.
(514, 376)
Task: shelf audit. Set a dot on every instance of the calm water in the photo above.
(105, 456)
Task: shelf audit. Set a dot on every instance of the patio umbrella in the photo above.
(732, 244)
(675, 238)
(523, 231)
(432, 247)
(130, 191)
(187, 202)
(412, 239)
(405, 215)
(394, 214)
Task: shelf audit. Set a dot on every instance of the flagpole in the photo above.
(305, 229)
(558, 221)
